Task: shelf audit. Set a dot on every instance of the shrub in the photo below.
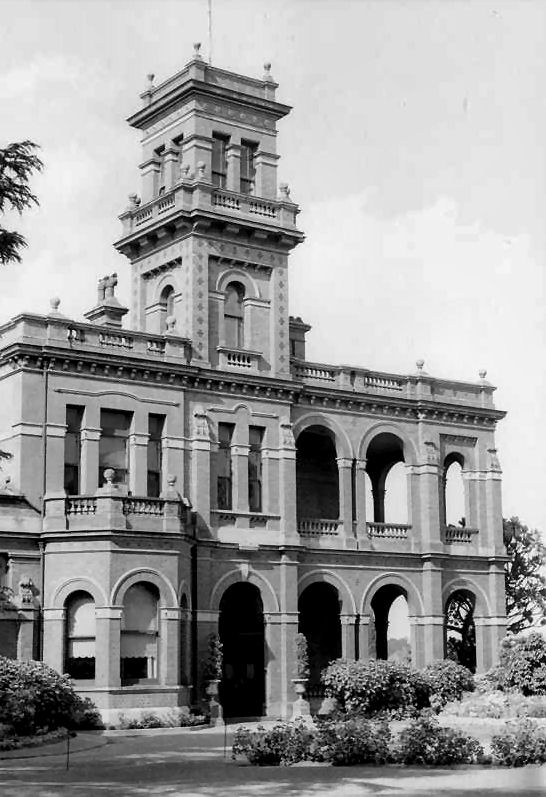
(448, 680)
(426, 742)
(353, 741)
(523, 663)
(85, 715)
(522, 742)
(372, 687)
(35, 697)
(146, 720)
(215, 656)
(498, 705)
(284, 744)
(302, 657)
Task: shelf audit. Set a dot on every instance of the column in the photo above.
(90, 437)
(108, 646)
(285, 652)
(433, 628)
(185, 647)
(239, 464)
(53, 650)
(348, 636)
(169, 646)
(266, 174)
(200, 469)
(173, 450)
(426, 477)
(492, 537)
(170, 164)
(364, 652)
(483, 652)
(345, 478)
(150, 173)
(233, 156)
(26, 635)
(138, 453)
(287, 483)
(207, 624)
(270, 481)
(360, 502)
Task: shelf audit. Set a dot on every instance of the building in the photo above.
(194, 473)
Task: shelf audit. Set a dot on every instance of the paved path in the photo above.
(176, 762)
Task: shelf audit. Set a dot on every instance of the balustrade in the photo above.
(397, 531)
(318, 527)
(454, 534)
(81, 505)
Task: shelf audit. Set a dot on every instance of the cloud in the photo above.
(45, 68)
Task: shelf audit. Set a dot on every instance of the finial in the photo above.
(109, 475)
(171, 480)
(134, 201)
(196, 53)
(267, 72)
(482, 373)
(150, 77)
(285, 191)
(54, 303)
(420, 363)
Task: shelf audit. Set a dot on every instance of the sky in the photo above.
(415, 149)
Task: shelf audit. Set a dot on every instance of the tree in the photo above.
(525, 578)
(17, 163)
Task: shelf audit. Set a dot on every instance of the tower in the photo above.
(210, 236)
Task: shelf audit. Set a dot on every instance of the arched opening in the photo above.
(80, 632)
(317, 480)
(454, 493)
(234, 315)
(460, 630)
(139, 633)
(319, 621)
(391, 623)
(384, 465)
(166, 302)
(241, 629)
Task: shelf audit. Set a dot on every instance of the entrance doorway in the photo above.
(320, 623)
(241, 628)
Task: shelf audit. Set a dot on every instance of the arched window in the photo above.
(139, 633)
(234, 315)
(454, 493)
(166, 301)
(80, 636)
(460, 629)
(387, 473)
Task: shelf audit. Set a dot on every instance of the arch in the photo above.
(80, 633)
(79, 584)
(344, 447)
(415, 602)
(237, 275)
(348, 604)
(409, 446)
(269, 597)
(482, 608)
(320, 622)
(184, 591)
(460, 628)
(167, 593)
(454, 498)
(140, 632)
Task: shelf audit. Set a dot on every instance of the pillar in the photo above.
(233, 157)
(283, 694)
(360, 503)
(26, 633)
(53, 650)
(200, 469)
(364, 637)
(169, 646)
(287, 483)
(207, 624)
(433, 620)
(108, 646)
(345, 477)
(348, 636)
(239, 464)
(90, 437)
(426, 478)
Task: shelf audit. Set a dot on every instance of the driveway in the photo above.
(173, 762)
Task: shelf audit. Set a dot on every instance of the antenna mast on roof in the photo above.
(210, 31)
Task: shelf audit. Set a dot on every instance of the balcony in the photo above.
(418, 386)
(318, 527)
(238, 359)
(388, 531)
(193, 195)
(453, 535)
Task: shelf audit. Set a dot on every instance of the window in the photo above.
(72, 449)
(248, 166)
(160, 155)
(219, 160)
(113, 448)
(233, 315)
(139, 633)
(166, 302)
(80, 636)
(155, 454)
(225, 434)
(255, 438)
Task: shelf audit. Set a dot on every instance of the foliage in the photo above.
(522, 663)
(214, 660)
(85, 715)
(522, 742)
(460, 629)
(34, 697)
(498, 705)
(372, 687)
(448, 680)
(16, 742)
(284, 744)
(173, 718)
(353, 741)
(525, 580)
(146, 720)
(426, 742)
(6, 594)
(17, 163)
(302, 657)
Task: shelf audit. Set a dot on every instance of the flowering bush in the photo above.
(353, 741)
(448, 680)
(522, 742)
(35, 697)
(498, 705)
(284, 744)
(426, 742)
(522, 664)
(372, 687)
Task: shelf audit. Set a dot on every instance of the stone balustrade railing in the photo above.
(243, 360)
(395, 531)
(318, 527)
(71, 335)
(154, 507)
(418, 386)
(197, 193)
(455, 534)
(81, 505)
